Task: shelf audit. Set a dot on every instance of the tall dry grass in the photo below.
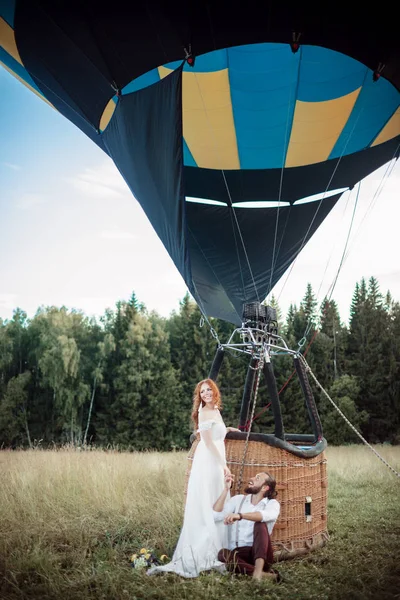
(358, 461)
(70, 519)
(68, 497)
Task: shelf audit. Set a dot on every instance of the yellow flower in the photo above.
(147, 556)
(133, 557)
(143, 551)
(163, 557)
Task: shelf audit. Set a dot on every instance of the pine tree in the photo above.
(393, 372)
(116, 323)
(309, 305)
(6, 355)
(14, 415)
(330, 343)
(294, 412)
(275, 304)
(374, 297)
(388, 304)
(17, 330)
(367, 358)
(344, 392)
(105, 348)
(147, 410)
(192, 347)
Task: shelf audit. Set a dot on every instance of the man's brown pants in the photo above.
(242, 559)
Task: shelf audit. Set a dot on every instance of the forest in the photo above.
(126, 380)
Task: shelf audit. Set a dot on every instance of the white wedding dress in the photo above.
(201, 538)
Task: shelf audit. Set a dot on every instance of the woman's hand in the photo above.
(228, 482)
(227, 472)
(232, 429)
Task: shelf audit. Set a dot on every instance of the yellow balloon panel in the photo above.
(208, 125)
(316, 129)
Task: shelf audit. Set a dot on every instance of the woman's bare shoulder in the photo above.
(207, 414)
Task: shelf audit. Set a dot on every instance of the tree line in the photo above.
(126, 380)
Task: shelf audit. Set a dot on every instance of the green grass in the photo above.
(70, 520)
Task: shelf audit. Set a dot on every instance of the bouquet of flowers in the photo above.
(146, 558)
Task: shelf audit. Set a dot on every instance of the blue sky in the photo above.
(72, 234)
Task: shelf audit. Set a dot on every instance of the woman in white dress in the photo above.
(201, 538)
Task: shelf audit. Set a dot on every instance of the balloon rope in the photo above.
(243, 244)
(308, 369)
(340, 227)
(230, 200)
(326, 189)
(333, 284)
(215, 275)
(203, 312)
(260, 368)
(274, 260)
(378, 191)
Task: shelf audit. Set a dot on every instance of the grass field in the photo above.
(70, 520)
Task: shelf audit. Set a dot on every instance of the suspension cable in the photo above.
(203, 312)
(265, 408)
(229, 195)
(388, 172)
(333, 285)
(379, 189)
(233, 212)
(212, 269)
(333, 248)
(260, 368)
(308, 369)
(346, 252)
(273, 261)
(326, 189)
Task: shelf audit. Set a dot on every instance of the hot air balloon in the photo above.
(237, 130)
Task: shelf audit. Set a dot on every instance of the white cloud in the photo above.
(93, 306)
(100, 182)
(116, 235)
(7, 303)
(11, 166)
(30, 200)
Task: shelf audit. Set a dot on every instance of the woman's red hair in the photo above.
(197, 400)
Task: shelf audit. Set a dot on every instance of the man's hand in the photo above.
(219, 504)
(231, 518)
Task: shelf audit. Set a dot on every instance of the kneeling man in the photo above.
(252, 516)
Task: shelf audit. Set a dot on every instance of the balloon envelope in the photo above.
(276, 105)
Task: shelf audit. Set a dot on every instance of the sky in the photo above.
(72, 234)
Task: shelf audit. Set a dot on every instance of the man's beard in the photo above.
(252, 489)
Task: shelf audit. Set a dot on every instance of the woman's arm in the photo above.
(206, 436)
(232, 429)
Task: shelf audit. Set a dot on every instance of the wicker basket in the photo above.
(302, 492)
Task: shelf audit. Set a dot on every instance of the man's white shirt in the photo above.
(241, 532)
